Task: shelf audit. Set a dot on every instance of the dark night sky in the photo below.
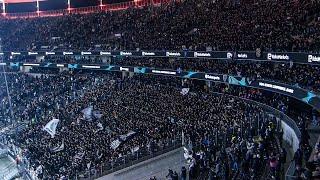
(30, 6)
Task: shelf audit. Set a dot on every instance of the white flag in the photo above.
(89, 165)
(58, 148)
(51, 127)
(39, 169)
(126, 136)
(87, 113)
(135, 149)
(115, 144)
(184, 91)
(79, 155)
(100, 126)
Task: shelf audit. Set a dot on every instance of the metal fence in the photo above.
(143, 154)
(289, 174)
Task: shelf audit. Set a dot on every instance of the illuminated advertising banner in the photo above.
(301, 94)
(313, 58)
(226, 55)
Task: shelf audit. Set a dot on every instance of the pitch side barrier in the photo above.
(291, 132)
(299, 93)
(295, 57)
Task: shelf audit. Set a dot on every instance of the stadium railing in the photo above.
(143, 154)
(289, 173)
(85, 10)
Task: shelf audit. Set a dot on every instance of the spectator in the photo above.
(178, 25)
(298, 156)
(183, 173)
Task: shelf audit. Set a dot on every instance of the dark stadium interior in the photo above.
(118, 90)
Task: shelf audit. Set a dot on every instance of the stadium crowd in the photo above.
(106, 120)
(152, 109)
(291, 25)
(28, 92)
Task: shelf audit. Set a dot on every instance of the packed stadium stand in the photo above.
(197, 90)
(195, 25)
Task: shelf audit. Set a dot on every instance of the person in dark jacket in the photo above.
(175, 176)
(298, 155)
(170, 173)
(183, 173)
(283, 156)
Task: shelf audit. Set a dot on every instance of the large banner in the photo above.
(299, 93)
(226, 55)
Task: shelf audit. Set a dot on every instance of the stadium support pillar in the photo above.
(38, 8)
(69, 7)
(101, 4)
(136, 2)
(3, 8)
